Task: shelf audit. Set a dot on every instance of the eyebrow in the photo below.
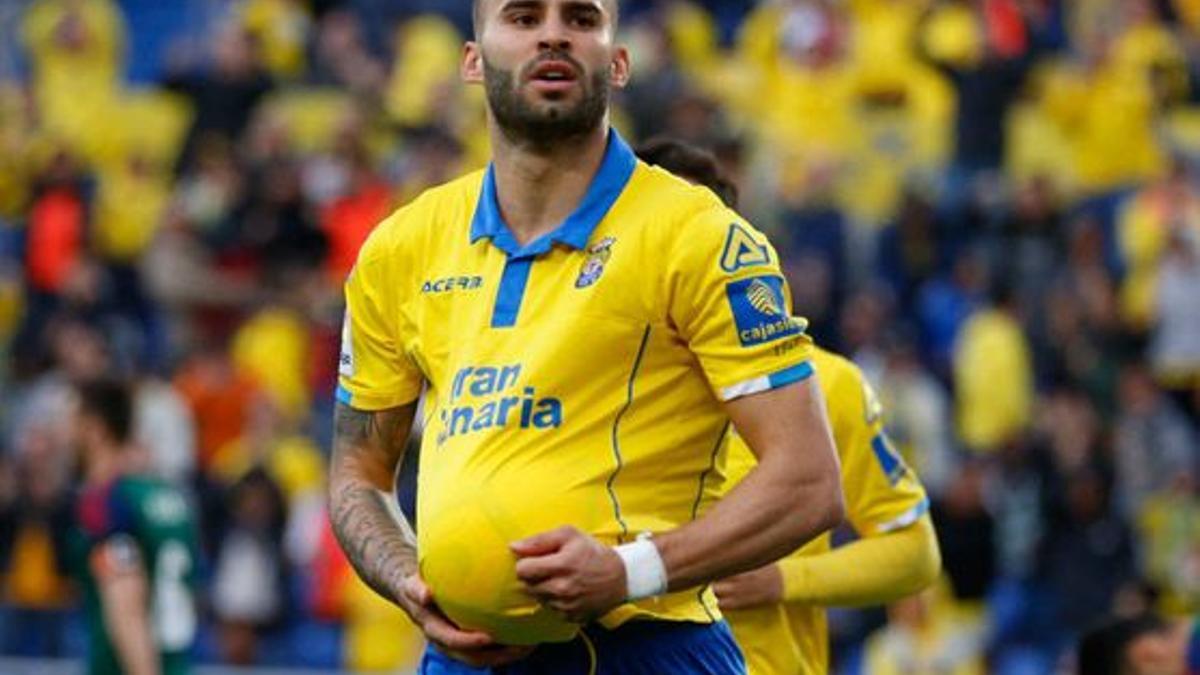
(521, 4)
(584, 6)
(575, 6)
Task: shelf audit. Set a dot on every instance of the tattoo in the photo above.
(377, 539)
(376, 428)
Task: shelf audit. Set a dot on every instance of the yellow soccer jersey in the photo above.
(881, 494)
(577, 379)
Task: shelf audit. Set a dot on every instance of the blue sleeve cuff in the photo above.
(796, 373)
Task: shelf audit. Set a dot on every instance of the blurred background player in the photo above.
(777, 612)
(136, 546)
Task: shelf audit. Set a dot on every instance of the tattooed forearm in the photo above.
(369, 526)
(376, 544)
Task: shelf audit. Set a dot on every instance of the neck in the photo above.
(537, 187)
(104, 464)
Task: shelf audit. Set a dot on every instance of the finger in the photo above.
(542, 544)
(568, 607)
(728, 603)
(554, 590)
(440, 630)
(417, 591)
(728, 595)
(534, 570)
(734, 600)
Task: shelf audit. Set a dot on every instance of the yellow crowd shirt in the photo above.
(882, 495)
(579, 378)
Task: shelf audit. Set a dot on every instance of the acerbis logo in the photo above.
(742, 250)
(451, 284)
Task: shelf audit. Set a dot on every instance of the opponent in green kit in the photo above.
(135, 544)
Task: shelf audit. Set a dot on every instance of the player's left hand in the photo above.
(763, 586)
(569, 571)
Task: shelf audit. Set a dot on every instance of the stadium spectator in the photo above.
(224, 93)
(35, 516)
(1033, 242)
(993, 375)
(911, 250)
(249, 575)
(1145, 226)
(281, 30)
(1140, 645)
(919, 413)
(341, 57)
(364, 199)
(1087, 553)
(987, 75)
(1175, 346)
(921, 638)
(76, 51)
(966, 535)
(57, 270)
(164, 427)
(1154, 443)
(1168, 530)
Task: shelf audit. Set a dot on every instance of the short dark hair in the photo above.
(689, 162)
(477, 13)
(1102, 649)
(111, 402)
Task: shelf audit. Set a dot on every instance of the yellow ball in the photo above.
(465, 560)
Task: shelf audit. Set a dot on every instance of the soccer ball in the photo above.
(465, 560)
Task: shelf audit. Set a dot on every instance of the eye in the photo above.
(525, 19)
(585, 19)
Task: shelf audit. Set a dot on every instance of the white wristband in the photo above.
(645, 574)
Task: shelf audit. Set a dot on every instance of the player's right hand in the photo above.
(473, 648)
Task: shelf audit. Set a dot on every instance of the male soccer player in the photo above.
(136, 544)
(777, 612)
(584, 329)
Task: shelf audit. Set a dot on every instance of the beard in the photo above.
(544, 127)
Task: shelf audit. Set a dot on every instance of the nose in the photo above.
(554, 35)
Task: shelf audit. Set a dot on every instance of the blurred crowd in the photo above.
(993, 206)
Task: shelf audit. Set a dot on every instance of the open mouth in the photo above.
(553, 74)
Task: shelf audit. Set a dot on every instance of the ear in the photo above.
(620, 67)
(471, 69)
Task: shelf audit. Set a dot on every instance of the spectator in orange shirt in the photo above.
(348, 219)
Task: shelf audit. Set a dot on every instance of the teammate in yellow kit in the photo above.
(778, 612)
(557, 312)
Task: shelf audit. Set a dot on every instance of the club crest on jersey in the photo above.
(742, 250)
(759, 311)
(593, 267)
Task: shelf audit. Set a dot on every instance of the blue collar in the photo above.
(608, 184)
